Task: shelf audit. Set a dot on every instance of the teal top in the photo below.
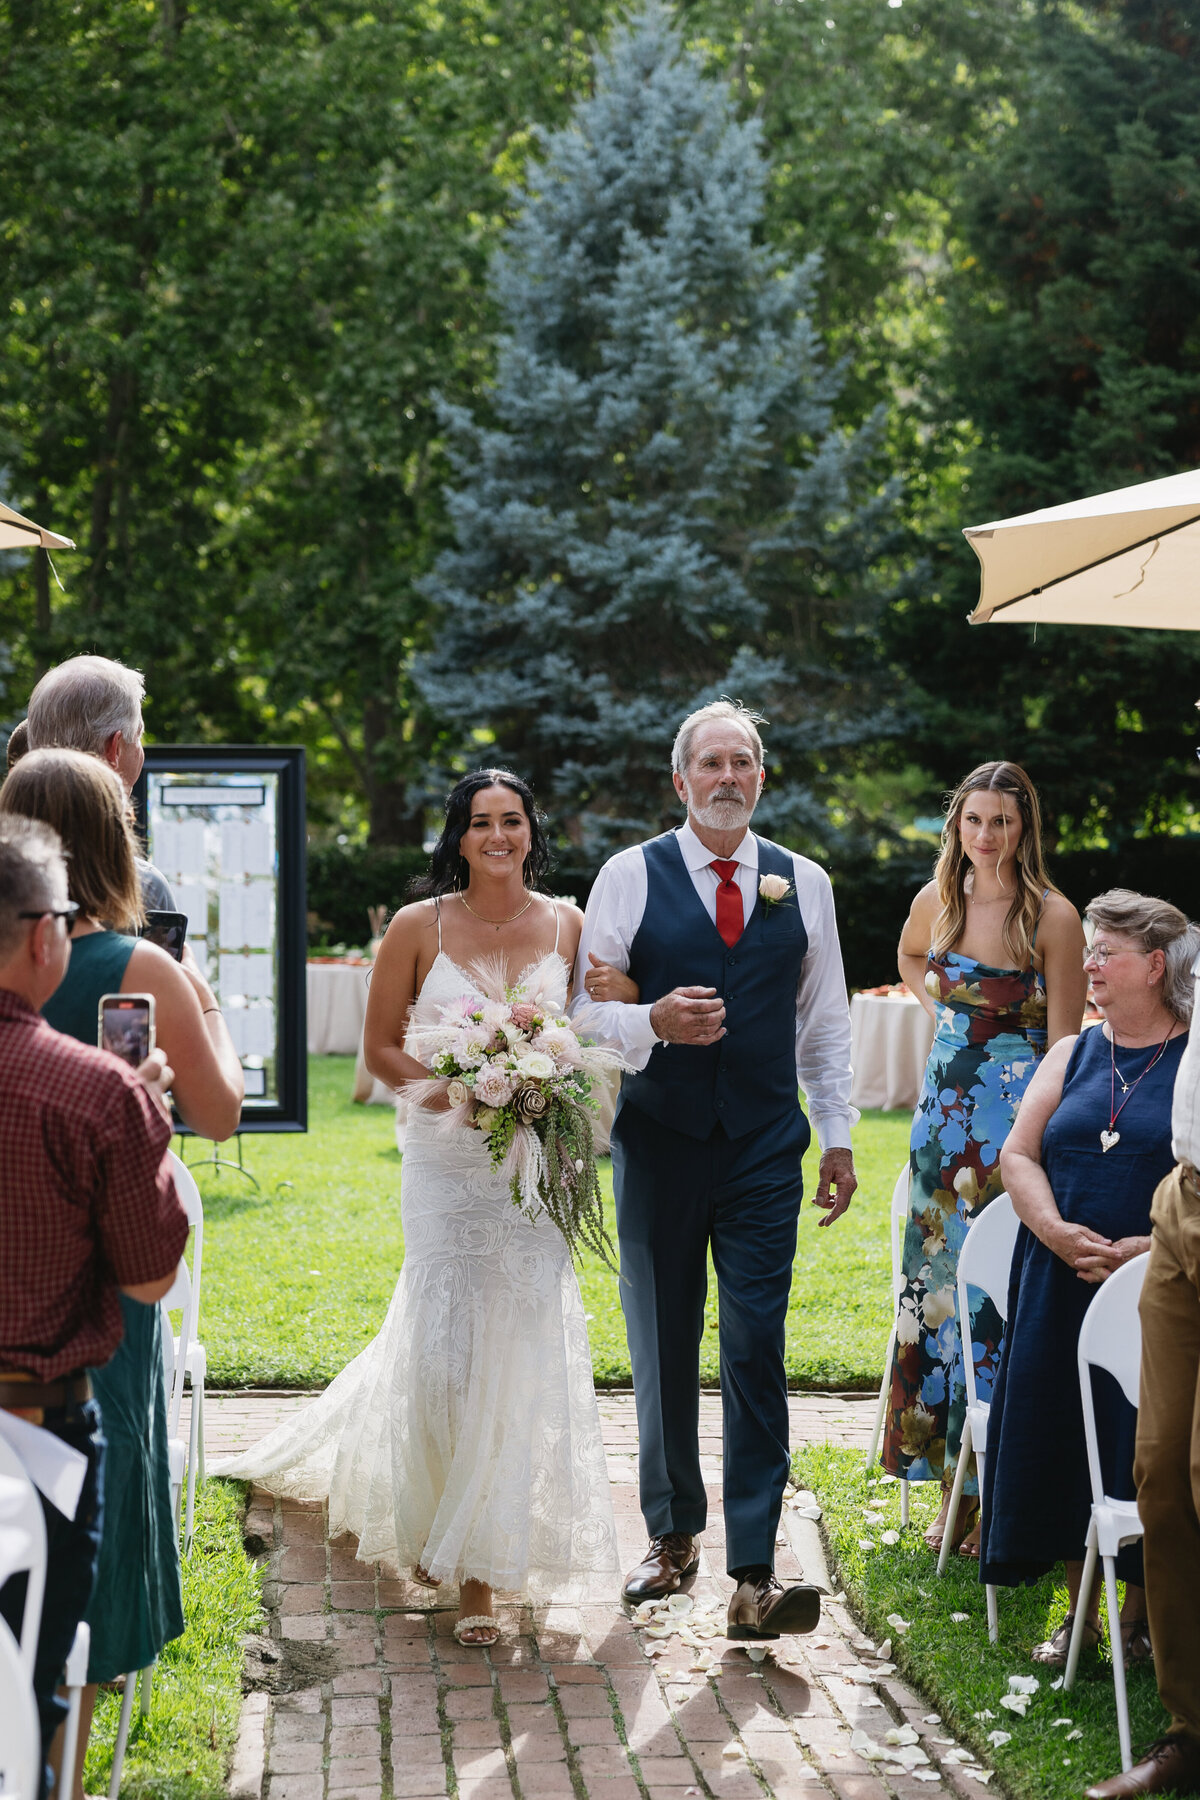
(137, 1603)
(98, 964)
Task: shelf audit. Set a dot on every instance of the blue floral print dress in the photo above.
(991, 1032)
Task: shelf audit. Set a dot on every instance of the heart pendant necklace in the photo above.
(1112, 1135)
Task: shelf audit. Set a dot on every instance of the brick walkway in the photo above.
(363, 1693)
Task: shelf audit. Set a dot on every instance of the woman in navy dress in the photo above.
(992, 950)
(1091, 1144)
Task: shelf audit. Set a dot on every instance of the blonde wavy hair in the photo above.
(953, 865)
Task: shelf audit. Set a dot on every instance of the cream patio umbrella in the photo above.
(1131, 557)
(18, 533)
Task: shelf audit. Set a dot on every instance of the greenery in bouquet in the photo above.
(511, 1066)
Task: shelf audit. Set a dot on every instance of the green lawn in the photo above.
(951, 1661)
(297, 1277)
(182, 1749)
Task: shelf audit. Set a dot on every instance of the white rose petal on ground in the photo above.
(884, 1650)
(984, 1716)
(960, 1618)
(756, 1652)
(732, 1751)
(1056, 1683)
(932, 1719)
(925, 1774)
(1016, 1703)
(865, 1544)
(959, 1755)
(873, 1518)
(897, 1623)
(902, 1734)
(1072, 1735)
(680, 1604)
(984, 1775)
(862, 1745)
(1023, 1684)
(1055, 1723)
(889, 1537)
(869, 1700)
(999, 1737)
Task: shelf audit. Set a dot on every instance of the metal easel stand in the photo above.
(222, 1162)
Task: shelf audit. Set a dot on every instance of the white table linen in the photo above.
(890, 1043)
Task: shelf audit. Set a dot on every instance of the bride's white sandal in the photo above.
(425, 1580)
(478, 1622)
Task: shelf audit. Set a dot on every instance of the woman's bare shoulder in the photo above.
(1061, 918)
(926, 904)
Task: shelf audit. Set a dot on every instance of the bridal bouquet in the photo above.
(511, 1066)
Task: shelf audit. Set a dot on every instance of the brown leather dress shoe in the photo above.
(764, 1609)
(671, 1557)
(1172, 1765)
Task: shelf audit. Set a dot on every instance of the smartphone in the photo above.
(126, 1026)
(168, 930)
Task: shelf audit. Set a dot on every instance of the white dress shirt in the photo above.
(614, 912)
(1185, 1104)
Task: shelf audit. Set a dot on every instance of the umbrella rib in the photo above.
(23, 525)
(1084, 568)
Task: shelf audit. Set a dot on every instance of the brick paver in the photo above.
(374, 1699)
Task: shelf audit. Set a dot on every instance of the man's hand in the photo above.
(836, 1184)
(157, 1074)
(689, 1015)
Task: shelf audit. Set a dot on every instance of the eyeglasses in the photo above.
(1100, 953)
(69, 912)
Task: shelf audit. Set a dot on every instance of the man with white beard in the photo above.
(733, 943)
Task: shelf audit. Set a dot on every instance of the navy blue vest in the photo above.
(748, 1078)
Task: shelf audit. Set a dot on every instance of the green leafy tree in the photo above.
(1074, 352)
(658, 506)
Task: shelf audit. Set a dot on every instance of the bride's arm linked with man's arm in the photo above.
(695, 1015)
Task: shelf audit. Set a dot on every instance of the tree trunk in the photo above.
(392, 817)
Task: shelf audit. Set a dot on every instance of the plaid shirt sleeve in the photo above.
(140, 1221)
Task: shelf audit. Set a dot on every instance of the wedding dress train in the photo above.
(465, 1438)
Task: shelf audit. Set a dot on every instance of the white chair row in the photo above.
(184, 1362)
(23, 1551)
(897, 1224)
(1110, 1339)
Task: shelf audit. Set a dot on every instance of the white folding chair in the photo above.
(983, 1262)
(188, 1359)
(20, 1733)
(1110, 1338)
(25, 1547)
(897, 1223)
(76, 1681)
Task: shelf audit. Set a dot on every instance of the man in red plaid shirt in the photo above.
(88, 1210)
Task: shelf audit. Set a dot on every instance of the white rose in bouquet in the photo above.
(472, 1048)
(485, 1117)
(534, 1066)
(492, 1086)
(458, 1093)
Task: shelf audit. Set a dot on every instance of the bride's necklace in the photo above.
(497, 923)
(1112, 1135)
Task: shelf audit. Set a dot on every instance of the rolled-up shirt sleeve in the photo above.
(823, 1013)
(614, 912)
(140, 1220)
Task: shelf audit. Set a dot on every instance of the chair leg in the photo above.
(118, 1762)
(904, 1498)
(70, 1750)
(147, 1689)
(193, 1453)
(1118, 1660)
(885, 1388)
(200, 1432)
(960, 1476)
(1081, 1607)
(993, 1615)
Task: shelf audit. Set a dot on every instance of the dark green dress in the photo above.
(137, 1603)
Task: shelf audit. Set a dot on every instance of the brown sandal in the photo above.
(1054, 1652)
(1135, 1641)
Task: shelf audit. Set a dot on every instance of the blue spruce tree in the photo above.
(659, 507)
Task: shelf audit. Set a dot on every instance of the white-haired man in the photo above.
(93, 704)
(733, 943)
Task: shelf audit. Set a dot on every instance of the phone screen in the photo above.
(127, 1026)
(168, 930)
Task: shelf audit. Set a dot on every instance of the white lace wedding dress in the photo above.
(465, 1438)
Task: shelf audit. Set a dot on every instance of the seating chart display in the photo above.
(225, 825)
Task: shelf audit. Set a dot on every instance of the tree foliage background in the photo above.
(245, 288)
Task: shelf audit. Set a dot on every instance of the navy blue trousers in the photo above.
(676, 1196)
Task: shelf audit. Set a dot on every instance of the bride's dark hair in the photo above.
(448, 867)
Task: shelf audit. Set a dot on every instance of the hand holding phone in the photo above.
(126, 1026)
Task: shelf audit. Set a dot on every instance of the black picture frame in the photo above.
(287, 1110)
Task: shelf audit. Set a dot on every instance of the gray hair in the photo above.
(681, 749)
(79, 705)
(33, 875)
(1157, 925)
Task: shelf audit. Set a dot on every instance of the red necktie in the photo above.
(730, 922)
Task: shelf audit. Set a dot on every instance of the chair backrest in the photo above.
(984, 1262)
(184, 1296)
(27, 1547)
(901, 1201)
(20, 1736)
(1111, 1338)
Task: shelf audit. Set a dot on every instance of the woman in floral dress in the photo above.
(994, 953)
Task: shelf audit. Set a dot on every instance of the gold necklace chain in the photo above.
(497, 923)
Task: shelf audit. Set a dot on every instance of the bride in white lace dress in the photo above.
(463, 1445)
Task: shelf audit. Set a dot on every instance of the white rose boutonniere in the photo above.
(772, 889)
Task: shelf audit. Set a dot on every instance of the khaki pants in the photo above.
(1167, 1467)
